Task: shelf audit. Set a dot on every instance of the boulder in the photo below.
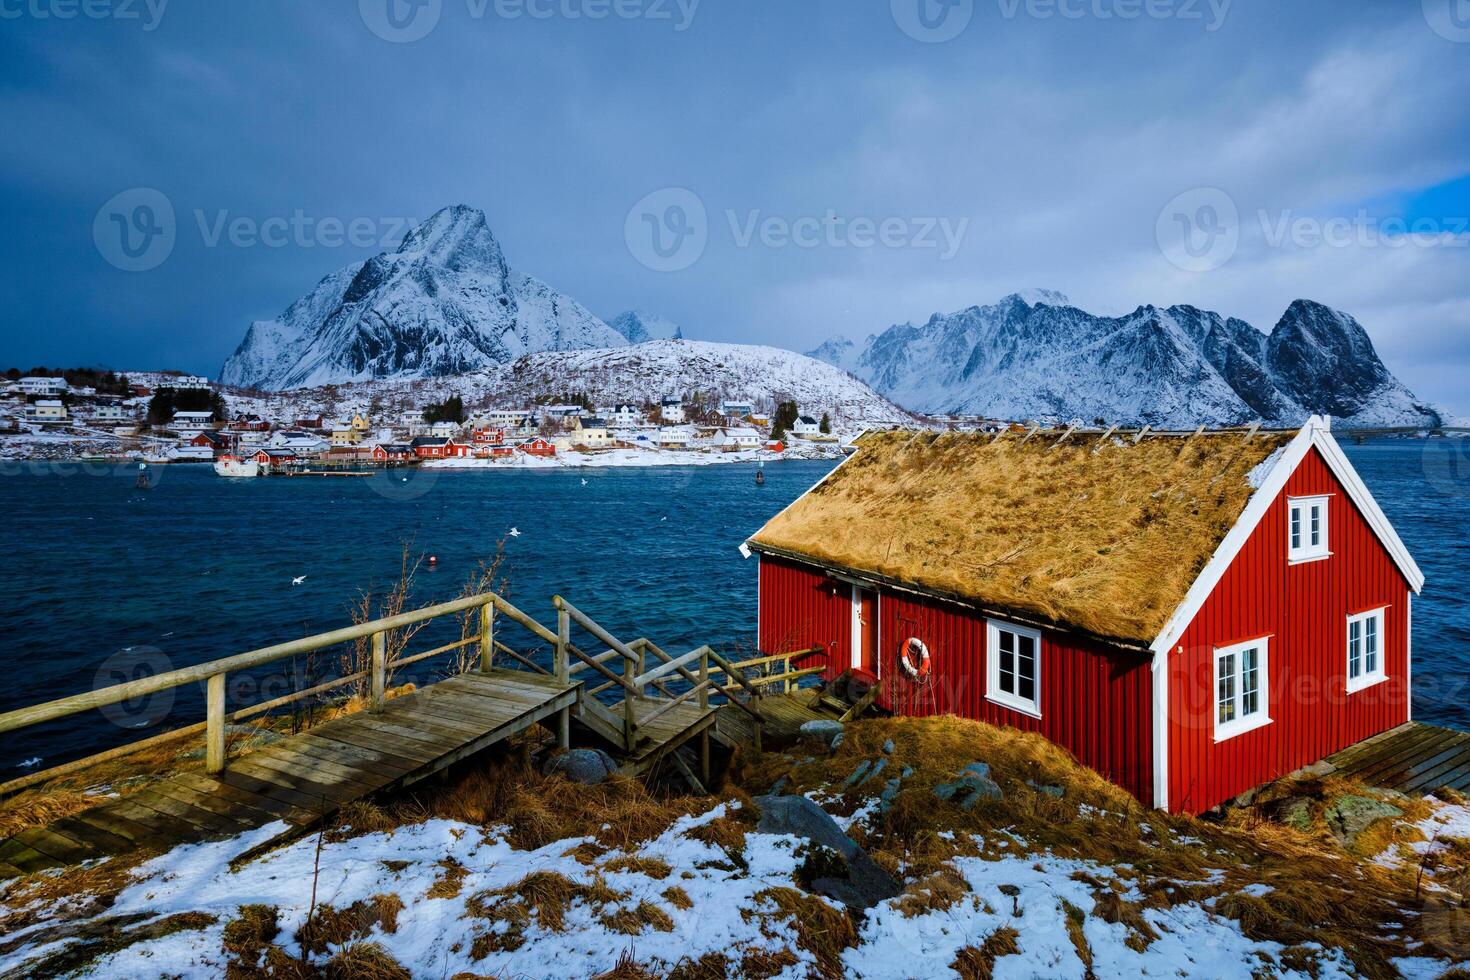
(888, 747)
(1349, 816)
(866, 884)
(973, 785)
(822, 730)
(586, 766)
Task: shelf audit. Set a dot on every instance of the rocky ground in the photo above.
(888, 848)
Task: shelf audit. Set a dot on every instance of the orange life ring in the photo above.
(913, 657)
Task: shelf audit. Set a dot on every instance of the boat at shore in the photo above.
(234, 466)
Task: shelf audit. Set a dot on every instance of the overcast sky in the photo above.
(769, 171)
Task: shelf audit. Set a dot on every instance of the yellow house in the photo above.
(350, 433)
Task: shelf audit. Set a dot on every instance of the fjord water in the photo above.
(103, 581)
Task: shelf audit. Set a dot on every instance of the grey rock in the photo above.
(890, 793)
(837, 741)
(586, 766)
(1294, 812)
(888, 747)
(973, 785)
(858, 774)
(866, 884)
(1056, 791)
(1349, 816)
(821, 730)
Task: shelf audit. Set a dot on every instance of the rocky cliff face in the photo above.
(445, 302)
(1038, 356)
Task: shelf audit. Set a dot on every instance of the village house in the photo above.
(672, 411)
(311, 423)
(439, 447)
(393, 453)
(271, 459)
(111, 413)
(209, 439)
(482, 433)
(674, 437)
(591, 432)
(537, 446)
(806, 427)
(624, 415)
(563, 411)
(736, 410)
(185, 382)
(445, 429)
(192, 421)
(298, 442)
(46, 410)
(739, 438)
(1191, 616)
(39, 387)
(250, 423)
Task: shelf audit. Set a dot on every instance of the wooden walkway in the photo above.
(307, 777)
(1413, 758)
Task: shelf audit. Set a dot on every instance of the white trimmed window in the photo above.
(1014, 667)
(1306, 528)
(1365, 650)
(1240, 688)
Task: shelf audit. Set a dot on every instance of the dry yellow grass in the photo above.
(1106, 541)
(978, 963)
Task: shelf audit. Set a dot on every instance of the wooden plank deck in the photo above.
(304, 778)
(784, 715)
(1413, 758)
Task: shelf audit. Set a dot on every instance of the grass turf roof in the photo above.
(1108, 541)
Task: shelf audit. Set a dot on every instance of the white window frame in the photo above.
(1299, 545)
(993, 691)
(1242, 723)
(1366, 678)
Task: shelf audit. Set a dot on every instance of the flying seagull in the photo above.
(515, 532)
(584, 481)
(298, 580)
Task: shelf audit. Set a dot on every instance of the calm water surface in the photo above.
(102, 580)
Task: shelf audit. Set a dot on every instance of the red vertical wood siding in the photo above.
(1096, 701)
(1303, 609)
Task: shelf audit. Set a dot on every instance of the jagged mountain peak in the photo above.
(640, 327)
(444, 302)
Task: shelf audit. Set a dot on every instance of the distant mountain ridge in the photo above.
(639, 327)
(1037, 356)
(443, 303)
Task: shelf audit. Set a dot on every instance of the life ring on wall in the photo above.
(913, 657)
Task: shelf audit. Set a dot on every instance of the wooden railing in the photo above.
(641, 672)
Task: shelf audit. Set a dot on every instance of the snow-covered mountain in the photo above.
(637, 373)
(1037, 356)
(445, 302)
(639, 327)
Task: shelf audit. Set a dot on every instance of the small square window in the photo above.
(1014, 667)
(1306, 528)
(1241, 700)
(1365, 650)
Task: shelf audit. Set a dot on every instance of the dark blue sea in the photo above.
(103, 581)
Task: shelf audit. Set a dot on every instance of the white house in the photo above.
(591, 432)
(740, 438)
(564, 411)
(43, 386)
(674, 437)
(624, 415)
(806, 427)
(445, 429)
(46, 410)
(736, 410)
(184, 382)
(505, 418)
(672, 410)
(111, 413)
(299, 443)
(192, 421)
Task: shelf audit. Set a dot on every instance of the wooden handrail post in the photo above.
(487, 636)
(561, 667)
(630, 707)
(379, 670)
(214, 724)
(704, 680)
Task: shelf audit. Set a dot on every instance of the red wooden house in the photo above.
(538, 447)
(1191, 616)
(439, 447)
(393, 453)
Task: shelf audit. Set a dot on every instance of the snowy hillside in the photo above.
(445, 302)
(1037, 356)
(640, 327)
(637, 373)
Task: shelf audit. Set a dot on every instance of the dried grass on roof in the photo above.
(1108, 541)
